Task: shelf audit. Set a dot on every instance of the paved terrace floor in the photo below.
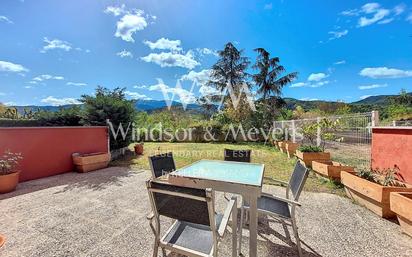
(103, 214)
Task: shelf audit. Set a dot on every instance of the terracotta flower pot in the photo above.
(8, 183)
(90, 162)
(308, 157)
(291, 148)
(330, 169)
(401, 204)
(2, 240)
(138, 149)
(373, 196)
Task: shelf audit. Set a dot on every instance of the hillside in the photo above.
(291, 103)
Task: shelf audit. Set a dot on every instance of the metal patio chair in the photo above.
(283, 208)
(161, 164)
(197, 229)
(237, 155)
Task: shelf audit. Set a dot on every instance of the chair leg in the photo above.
(156, 249)
(295, 232)
(242, 214)
(164, 252)
(234, 231)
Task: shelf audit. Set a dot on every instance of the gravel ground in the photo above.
(103, 214)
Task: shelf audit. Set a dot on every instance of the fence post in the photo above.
(293, 132)
(375, 118)
(318, 139)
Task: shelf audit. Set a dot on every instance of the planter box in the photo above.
(331, 169)
(401, 204)
(373, 196)
(90, 162)
(308, 157)
(291, 148)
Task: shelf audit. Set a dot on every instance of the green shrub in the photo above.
(19, 123)
(64, 117)
(110, 105)
(310, 149)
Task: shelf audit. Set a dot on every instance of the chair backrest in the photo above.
(181, 203)
(297, 181)
(162, 164)
(237, 155)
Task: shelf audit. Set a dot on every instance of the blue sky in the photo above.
(51, 52)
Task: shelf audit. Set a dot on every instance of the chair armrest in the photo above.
(150, 216)
(226, 216)
(282, 183)
(289, 201)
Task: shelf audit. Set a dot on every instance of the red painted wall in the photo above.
(47, 151)
(393, 146)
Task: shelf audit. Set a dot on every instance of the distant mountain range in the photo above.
(291, 103)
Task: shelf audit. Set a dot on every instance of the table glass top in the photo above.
(235, 172)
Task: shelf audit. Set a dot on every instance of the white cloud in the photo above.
(164, 44)
(169, 59)
(340, 62)
(12, 67)
(124, 53)
(384, 72)
(130, 24)
(409, 18)
(338, 34)
(200, 77)
(378, 14)
(317, 76)
(116, 10)
(185, 96)
(308, 99)
(5, 19)
(399, 9)
(268, 6)
(55, 44)
(300, 84)
(79, 84)
(372, 86)
(140, 87)
(207, 51)
(365, 96)
(320, 83)
(352, 12)
(47, 77)
(137, 96)
(51, 100)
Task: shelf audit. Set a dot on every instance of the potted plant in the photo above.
(2, 240)
(291, 148)
(138, 148)
(9, 174)
(372, 188)
(91, 161)
(401, 204)
(330, 169)
(309, 153)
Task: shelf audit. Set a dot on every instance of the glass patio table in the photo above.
(232, 177)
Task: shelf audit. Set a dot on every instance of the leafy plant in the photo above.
(384, 177)
(310, 149)
(9, 162)
(110, 105)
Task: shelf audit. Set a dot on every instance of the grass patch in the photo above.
(277, 164)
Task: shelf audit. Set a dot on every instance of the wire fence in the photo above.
(347, 137)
